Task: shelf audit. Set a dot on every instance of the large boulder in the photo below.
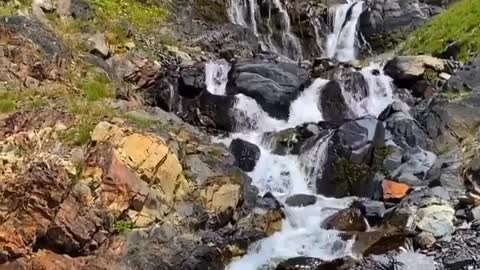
(407, 70)
(273, 86)
(406, 133)
(332, 103)
(353, 157)
(192, 81)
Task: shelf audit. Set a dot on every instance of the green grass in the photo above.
(122, 226)
(461, 22)
(96, 87)
(7, 105)
(141, 15)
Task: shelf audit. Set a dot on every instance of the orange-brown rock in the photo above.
(394, 191)
(349, 220)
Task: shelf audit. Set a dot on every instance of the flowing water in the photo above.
(341, 41)
(286, 175)
(276, 35)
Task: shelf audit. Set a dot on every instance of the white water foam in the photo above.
(341, 41)
(380, 92)
(216, 77)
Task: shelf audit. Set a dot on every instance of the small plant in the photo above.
(96, 88)
(122, 226)
(7, 105)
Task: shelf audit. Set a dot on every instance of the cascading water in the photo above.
(341, 41)
(246, 14)
(216, 77)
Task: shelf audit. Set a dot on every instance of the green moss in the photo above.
(459, 23)
(7, 105)
(122, 226)
(96, 87)
(141, 14)
(350, 176)
(8, 8)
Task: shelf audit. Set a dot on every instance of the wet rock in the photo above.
(436, 219)
(352, 152)
(98, 45)
(373, 211)
(332, 103)
(394, 191)
(273, 86)
(246, 154)
(300, 263)
(309, 263)
(348, 220)
(301, 200)
(474, 214)
(406, 70)
(192, 81)
(290, 141)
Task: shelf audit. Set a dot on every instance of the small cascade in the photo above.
(216, 77)
(276, 35)
(341, 41)
(380, 92)
(304, 108)
(313, 159)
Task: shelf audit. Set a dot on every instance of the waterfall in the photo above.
(246, 14)
(216, 77)
(341, 41)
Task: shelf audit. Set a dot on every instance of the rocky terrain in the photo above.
(213, 134)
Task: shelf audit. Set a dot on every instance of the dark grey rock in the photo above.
(349, 220)
(332, 103)
(458, 261)
(192, 81)
(300, 200)
(273, 86)
(246, 154)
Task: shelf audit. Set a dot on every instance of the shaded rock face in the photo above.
(353, 157)
(273, 86)
(246, 154)
(332, 103)
(291, 141)
(407, 133)
(386, 23)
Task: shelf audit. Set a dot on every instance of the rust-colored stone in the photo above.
(394, 191)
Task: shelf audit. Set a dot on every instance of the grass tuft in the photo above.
(96, 87)
(7, 105)
(459, 23)
(141, 15)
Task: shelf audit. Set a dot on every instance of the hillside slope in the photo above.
(459, 23)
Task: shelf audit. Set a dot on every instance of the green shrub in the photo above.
(122, 226)
(96, 87)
